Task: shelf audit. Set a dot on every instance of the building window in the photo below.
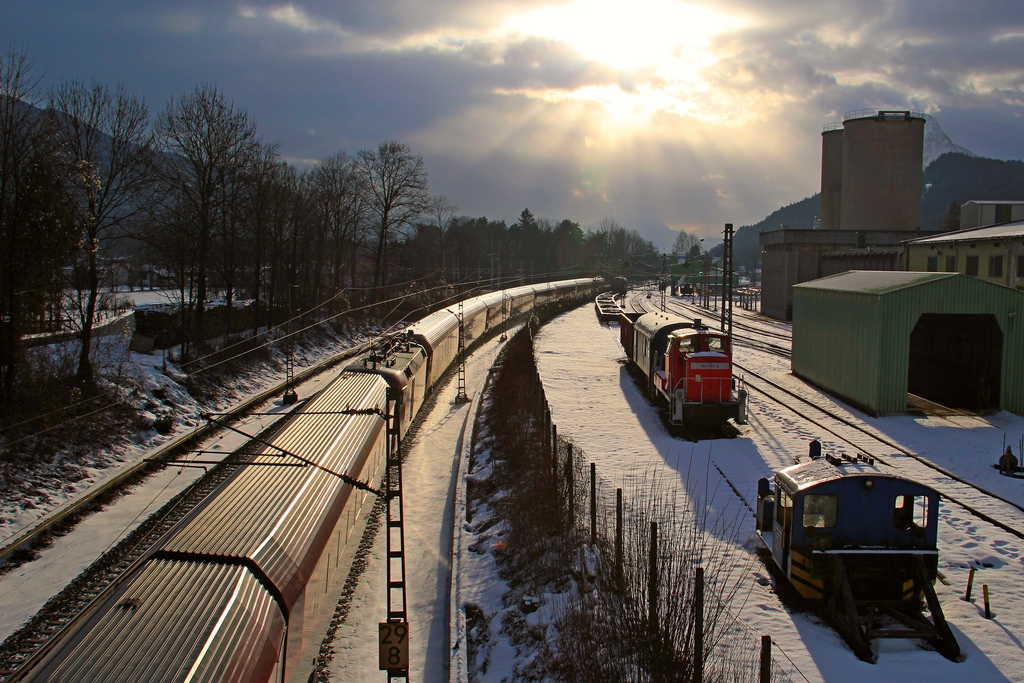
(972, 265)
(933, 264)
(951, 264)
(995, 266)
(1020, 266)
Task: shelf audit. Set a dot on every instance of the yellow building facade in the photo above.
(994, 254)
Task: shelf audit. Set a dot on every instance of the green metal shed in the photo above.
(872, 337)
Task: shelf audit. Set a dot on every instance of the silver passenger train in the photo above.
(245, 587)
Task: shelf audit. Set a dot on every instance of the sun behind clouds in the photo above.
(667, 42)
(629, 35)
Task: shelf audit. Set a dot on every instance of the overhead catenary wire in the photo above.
(475, 286)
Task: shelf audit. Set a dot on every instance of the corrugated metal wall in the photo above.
(835, 344)
(856, 343)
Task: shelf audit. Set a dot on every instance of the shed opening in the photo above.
(956, 360)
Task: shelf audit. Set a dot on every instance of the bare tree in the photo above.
(35, 234)
(339, 205)
(395, 183)
(266, 170)
(104, 136)
(685, 242)
(442, 212)
(206, 140)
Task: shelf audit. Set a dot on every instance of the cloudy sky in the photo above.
(662, 115)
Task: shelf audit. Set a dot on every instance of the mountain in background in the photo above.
(937, 143)
(952, 175)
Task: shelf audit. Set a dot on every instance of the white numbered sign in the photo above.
(393, 643)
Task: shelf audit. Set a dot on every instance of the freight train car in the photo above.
(627, 325)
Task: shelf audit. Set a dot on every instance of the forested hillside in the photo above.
(957, 178)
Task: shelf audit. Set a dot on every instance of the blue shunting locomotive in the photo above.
(862, 539)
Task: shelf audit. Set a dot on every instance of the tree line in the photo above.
(97, 191)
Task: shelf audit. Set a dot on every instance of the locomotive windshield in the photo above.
(910, 511)
(820, 510)
(720, 344)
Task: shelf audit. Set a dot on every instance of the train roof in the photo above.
(284, 507)
(397, 364)
(807, 475)
(658, 324)
(691, 331)
(160, 619)
(434, 326)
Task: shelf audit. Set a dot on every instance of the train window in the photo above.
(783, 502)
(820, 510)
(910, 511)
(686, 345)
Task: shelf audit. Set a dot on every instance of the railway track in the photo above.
(973, 498)
(992, 508)
(64, 518)
(73, 603)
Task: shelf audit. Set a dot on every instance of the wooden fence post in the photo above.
(547, 428)
(593, 504)
(554, 449)
(569, 488)
(698, 627)
(766, 659)
(652, 582)
(619, 579)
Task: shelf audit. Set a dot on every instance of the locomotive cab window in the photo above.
(783, 502)
(820, 510)
(718, 344)
(686, 345)
(910, 512)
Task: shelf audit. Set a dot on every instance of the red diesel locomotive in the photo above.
(688, 366)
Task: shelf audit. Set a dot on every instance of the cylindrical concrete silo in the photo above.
(831, 175)
(881, 176)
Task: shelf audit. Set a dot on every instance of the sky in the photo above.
(658, 114)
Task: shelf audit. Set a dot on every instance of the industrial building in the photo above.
(976, 213)
(877, 339)
(793, 256)
(994, 253)
(870, 204)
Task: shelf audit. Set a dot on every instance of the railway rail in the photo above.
(992, 509)
(29, 537)
(72, 603)
(954, 488)
(306, 515)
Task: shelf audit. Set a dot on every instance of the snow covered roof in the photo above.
(814, 472)
(1011, 230)
(873, 281)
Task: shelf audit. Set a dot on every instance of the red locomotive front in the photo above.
(698, 372)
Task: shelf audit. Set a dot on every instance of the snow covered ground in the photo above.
(596, 403)
(428, 482)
